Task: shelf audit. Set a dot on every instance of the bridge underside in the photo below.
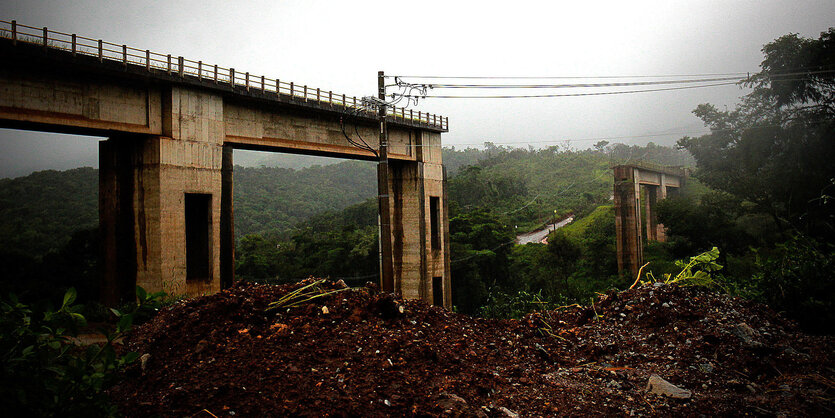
(165, 200)
(636, 192)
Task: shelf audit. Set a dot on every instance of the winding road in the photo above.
(541, 235)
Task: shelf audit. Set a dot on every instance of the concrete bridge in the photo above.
(165, 189)
(637, 187)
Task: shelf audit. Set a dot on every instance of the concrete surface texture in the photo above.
(637, 191)
(166, 179)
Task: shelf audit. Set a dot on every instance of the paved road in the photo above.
(541, 235)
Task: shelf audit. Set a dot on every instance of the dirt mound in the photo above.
(364, 353)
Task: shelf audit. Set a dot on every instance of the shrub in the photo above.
(44, 370)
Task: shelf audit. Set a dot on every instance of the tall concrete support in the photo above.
(227, 221)
(123, 219)
(420, 229)
(627, 219)
(630, 181)
(160, 202)
(650, 212)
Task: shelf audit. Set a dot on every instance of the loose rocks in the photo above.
(373, 354)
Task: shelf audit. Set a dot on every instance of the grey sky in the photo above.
(340, 45)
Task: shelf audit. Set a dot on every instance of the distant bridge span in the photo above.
(638, 187)
(165, 189)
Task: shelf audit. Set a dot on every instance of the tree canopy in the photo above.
(776, 148)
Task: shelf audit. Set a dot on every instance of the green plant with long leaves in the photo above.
(303, 295)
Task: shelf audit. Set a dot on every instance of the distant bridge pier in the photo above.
(638, 186)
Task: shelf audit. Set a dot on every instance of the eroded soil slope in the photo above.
(354, 353)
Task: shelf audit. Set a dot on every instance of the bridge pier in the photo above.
(420, 229)
(160, 203)
(627, 220)
(656, 183)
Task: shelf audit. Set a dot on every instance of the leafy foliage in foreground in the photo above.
(45, 372)
(700, 270)
(797, 278)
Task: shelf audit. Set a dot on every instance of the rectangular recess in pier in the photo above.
(198, 211)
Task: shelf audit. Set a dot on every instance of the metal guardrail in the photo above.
(156, 62)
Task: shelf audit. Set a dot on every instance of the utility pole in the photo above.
(386, 266)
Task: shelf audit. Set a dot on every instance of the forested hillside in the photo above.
(270, 200)
(291, 223)
(40, 212)
(527, 186)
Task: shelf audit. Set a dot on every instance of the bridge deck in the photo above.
(93, 55)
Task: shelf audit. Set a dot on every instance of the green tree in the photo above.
(480, 244)
(776, 148)
(772, 156)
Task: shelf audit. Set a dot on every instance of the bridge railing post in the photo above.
(14, 32)
(180, 64)
(263, 79)
(125, 55)
(45, 38)
(318, 96)
(169, 64)
(148, 60)
(246, 80)
(74, 45)
(305, 92)
(101, 51)
(291, 90)
(232, 77)
(215, 73)
(200, 70)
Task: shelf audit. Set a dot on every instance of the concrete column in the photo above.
(154, 188)
(627, 220)
(447, 267)
(420, 229)
(651, 215)
(128, 215)
(227, 221)
(659, 228)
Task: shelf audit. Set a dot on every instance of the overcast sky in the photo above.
(340, 46)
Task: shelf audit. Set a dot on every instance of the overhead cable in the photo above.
(526, 96)
(791, 71)
(563, 77)
(580, 85)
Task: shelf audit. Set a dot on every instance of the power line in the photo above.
(528, 96)
(564, 77)
(605, 93)
(579, 85)
(787, 72)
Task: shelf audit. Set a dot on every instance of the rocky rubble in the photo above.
(653, 350)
